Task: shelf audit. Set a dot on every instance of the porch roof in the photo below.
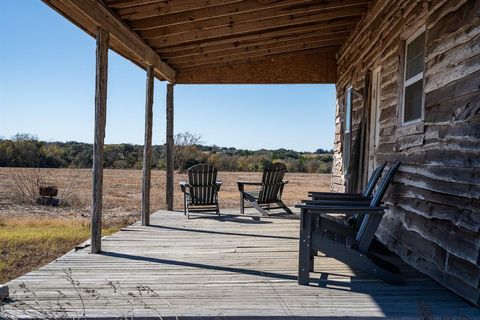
(224, 41)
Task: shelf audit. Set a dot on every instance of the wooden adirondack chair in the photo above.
(349, 245)
(332, 198)
(270, 193)
(200, 194)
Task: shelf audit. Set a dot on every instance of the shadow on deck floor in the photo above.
(233, 267)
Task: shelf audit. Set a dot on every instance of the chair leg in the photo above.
(218, 210)
(313, 253)
(284, 207)
(184, 204)
(305, 253)
(259, 208)
(242, 204)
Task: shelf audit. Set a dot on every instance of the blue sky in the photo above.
(47, 77)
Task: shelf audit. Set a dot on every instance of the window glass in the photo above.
(348, 110)
(413, 101)
(413, 82)
(348, 127)
(415, 56)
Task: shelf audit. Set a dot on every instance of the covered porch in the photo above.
(236, 267)
(233, 267)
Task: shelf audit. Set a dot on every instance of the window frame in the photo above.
(412, 80)
(348, 101)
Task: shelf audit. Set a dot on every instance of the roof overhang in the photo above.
(224, 41)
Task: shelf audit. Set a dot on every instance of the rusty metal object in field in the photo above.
(47, 196)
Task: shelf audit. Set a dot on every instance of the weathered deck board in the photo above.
(233, 267)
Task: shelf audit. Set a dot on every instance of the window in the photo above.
(347, 130)
(413, 80)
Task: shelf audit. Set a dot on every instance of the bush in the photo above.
(24, 150)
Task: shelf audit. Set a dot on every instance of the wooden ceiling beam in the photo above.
(92, 14)
(266, 37)
(260, 54)
(129, 3)
(161, 7)
(247, 10)
(327, 40)
(253, 27)
(164, 37)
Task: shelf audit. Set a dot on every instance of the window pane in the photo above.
(346, 152)
(415, 56)
(348, 110)
(413, 101)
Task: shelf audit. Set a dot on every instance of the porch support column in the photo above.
(100, 121)
(147, 148)
(169, 148)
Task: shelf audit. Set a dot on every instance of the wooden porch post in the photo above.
(100, 121)
(147, 148)
(169, 148)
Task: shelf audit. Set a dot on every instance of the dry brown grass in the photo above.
(122, 189)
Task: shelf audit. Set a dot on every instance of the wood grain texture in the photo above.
(100, 121)
(317, 66)
(147, 148)
(435, 197)
(169, 147)
(233, 267)
(213, 35)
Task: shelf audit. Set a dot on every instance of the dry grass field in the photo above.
(32, 235)
(122, 189)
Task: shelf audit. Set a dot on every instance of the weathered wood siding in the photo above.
(434, 220)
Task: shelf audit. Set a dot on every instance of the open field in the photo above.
(122, 189)
(32, 235)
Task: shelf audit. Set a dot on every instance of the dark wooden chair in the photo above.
(331, 198)
(342, 242)
(269, 197)
(366, 194)
(200, 193)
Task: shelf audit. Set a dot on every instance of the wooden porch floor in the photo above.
(228, 268)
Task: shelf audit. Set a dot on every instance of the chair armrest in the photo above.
(360, 209)
(346, 203)
(339, 198)
(333, 194)
(248, 183)
(184, 185)
(242, 184)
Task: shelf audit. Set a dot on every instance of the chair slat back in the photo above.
(203, 184)
(372, 182)
(272, 181)
(370, 223)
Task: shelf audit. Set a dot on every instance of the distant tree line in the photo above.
(24, 150)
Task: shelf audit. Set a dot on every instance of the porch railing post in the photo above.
(147, 148)
(169, 148)
(100, 121)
